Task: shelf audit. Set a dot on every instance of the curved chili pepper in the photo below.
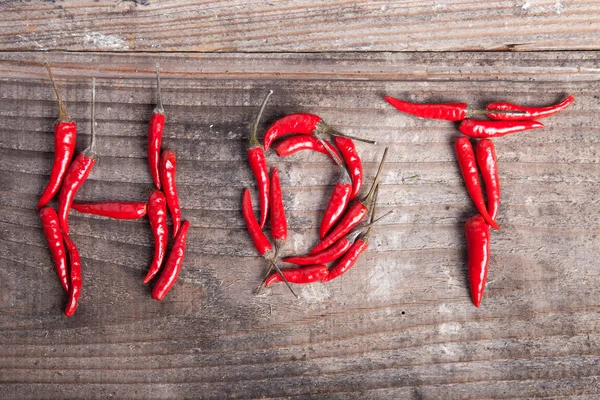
(304, 124)
(76, 283)
(303, 275)
(277, 212)
(353, 162)
(348, 260)
(54, 239)
(490, 129)
(486, 160)
(168, 169)
(65, 135)
(468, 169)
(113, 209)
(340, 197)
(258, 164)
(78, 172)
(155, 132)
(296, 143)
(477, 232)
(261, 242)
(530, 113)
(170, 272)
(157, 214)
(353, 216)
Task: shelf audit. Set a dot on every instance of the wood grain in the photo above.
(299, 26)
(398, 325)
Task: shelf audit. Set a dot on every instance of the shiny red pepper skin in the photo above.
(157, 215)
(348, 260)
(302, 275)
(531, 113)
(477, 232)
(261, 242)
(335, 208)
(168, 170)
(353, 216)
(170, 272)
(301, 123)
(445, 111)
(65, 135)
(277, 215)
(482, 129)
(155, 133)
(353, 162)
(258, 164)
(323, 257)
(76, 283)
(296, 143)
(75, 177)
(113, 209)
(488, 166)
(54, 239)
(468, 169)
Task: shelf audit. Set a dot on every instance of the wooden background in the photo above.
(398, 325)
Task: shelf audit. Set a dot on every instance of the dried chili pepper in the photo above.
(445, 111)
(258, 164)
(168, 169)
(155, 132)
(353, 216)
(481, 129)
(76, 283)
(65, 135)
(477, 232)
(54, 239)
(78, 172)
(302, 275)
(486, 160)
(530, 113)
(113, 209)
(296, 143)
(170, 272)
(340, 197)
(353, 162)
(305, 124)
(468, 169)
(157, 214)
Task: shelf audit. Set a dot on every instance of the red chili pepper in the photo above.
(468, 169)
(65, 135)
(277, 212)
(157, 214)
(490, 129)
(353, 162)
(340, 197)
(261, 242)
(486, 160)
(348, 260)
(78, 172)
(168, 169)
(170, 272)
(155, 132)
(296, 143)
(258, 164)
(478, 249)
(76, 283)
(303, 275)
(530, 113)
(353, 216)
(54, 239)
(304, 124)
(113, 209)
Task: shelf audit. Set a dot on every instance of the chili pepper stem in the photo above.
(274, 265)
(91, 149)
(62, 113)
(366, 235)
(358, 139)
(345, 175)
(367, 200)
(252, 140)
(159, 106)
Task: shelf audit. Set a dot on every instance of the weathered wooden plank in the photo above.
(294, 25)
(399, 325)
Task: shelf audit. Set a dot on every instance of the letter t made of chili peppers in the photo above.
(258, 164)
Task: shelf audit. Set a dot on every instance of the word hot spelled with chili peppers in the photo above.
(68, 175)
(505, 119)
(343, 237)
